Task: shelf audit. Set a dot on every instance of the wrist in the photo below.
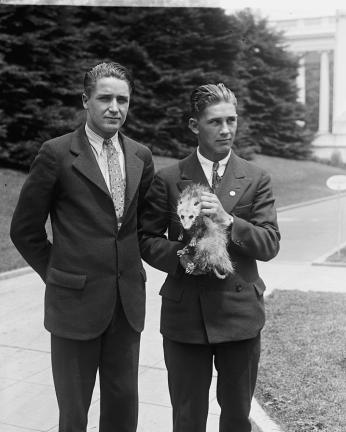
(229, 221)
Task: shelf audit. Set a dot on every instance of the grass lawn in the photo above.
(302, 377)
(297, 181)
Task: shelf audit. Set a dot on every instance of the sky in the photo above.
(271, 9)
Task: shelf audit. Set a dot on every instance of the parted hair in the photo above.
(104, 70)
(209, 94)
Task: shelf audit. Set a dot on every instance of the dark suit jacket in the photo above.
(89, 258)
(202, 309)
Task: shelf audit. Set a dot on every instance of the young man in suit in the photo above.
(203, 318)
(92, 183)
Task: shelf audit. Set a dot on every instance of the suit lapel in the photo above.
(86, 164)
(85, 161)
(233, 184)
(191, 172)
(133, 167)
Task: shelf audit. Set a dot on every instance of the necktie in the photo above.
(116, 181)
(216, 179)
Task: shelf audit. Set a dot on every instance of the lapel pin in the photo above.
(232, 193)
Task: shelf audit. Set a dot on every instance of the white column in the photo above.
(339, 102)
(323, 124)
(301, 81)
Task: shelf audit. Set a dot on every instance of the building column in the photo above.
(301, 81)
(323, 124)
(339, 102)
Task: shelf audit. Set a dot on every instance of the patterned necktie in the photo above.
(116, 181)
(216, 179)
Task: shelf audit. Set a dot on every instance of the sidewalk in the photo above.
(27, 398)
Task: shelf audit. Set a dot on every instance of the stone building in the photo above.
(325, 38)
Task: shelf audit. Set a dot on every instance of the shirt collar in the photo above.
(96, 141)
(207, 162)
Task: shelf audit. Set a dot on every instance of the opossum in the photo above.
(206, 239)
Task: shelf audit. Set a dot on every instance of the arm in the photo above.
(257, 237)
(28, 231)
(147, 178)
(156, 249)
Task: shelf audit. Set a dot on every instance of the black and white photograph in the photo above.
(172, 216)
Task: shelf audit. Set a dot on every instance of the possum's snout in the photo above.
(187, 221)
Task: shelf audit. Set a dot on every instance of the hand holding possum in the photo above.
(211, 206)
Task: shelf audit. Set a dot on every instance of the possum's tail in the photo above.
(219, 275)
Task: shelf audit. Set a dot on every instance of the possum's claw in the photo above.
(181, 252)
(190, 267)
(193, 242)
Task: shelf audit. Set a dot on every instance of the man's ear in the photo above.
(85, 101)
(193, 125)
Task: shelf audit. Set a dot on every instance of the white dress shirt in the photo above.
(96, 144)
(207, 166)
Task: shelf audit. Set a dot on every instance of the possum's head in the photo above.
(189, 205)
(188, 211)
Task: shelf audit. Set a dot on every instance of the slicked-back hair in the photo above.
(105, 70)
(210, 94)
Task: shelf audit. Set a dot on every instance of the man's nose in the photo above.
(225, 129)
(113, 106)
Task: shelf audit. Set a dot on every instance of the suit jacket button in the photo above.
(238, 287)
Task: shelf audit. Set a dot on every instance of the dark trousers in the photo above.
(190, 368)
(75, 363)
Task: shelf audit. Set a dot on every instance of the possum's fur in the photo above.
(206, 239)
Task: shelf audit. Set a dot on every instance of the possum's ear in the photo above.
(193, 125)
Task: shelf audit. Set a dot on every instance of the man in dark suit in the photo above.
(204, 318)
(92, 183)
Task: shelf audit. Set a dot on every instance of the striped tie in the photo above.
(216, 179)
(116, 181)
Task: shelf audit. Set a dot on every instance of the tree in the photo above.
(45, 51)
(269, 72)
(37, 77)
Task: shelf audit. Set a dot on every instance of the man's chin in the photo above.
(111, 129)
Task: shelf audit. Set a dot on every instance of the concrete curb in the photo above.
(321, 261)
(261, 418)
(310, 202)
(14, 273)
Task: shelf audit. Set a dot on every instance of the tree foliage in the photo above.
(45, 51)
